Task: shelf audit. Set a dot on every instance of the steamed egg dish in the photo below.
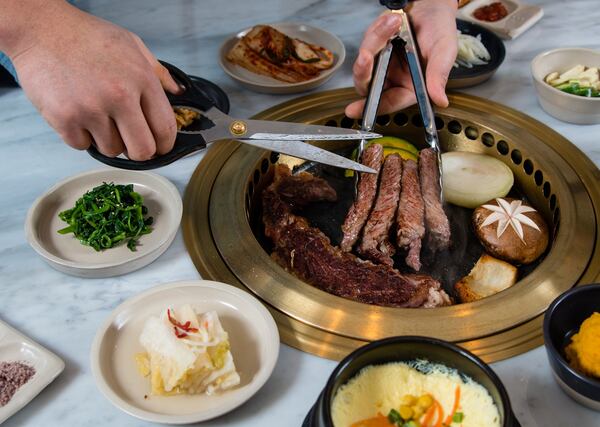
(413, 394)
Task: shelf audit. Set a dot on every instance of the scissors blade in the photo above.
(306, 151)
(284, 131)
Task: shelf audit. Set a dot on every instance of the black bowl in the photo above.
(398, 349)
(465, 77)
(563, 318)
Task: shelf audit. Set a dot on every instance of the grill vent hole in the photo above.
(347, 122)
(547, 189)
(250, 189)
(528, 167)
(439, 123)
(516, 157)
(502, 147)
(274, 157)
(454, 127)
(401, 119)
(552, 202)
(538, 177)
(556, 216)
(256, 176)
(383, 120)
(264, 166)
(471, 132)
(488, 139)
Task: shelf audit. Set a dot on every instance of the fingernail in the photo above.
(181, 87)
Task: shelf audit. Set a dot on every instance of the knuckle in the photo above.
(118, 92)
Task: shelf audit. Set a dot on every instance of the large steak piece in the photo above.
(308, 253)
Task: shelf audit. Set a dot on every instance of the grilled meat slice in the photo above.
(303, 188)
(269, 43)
(410, 222)
(308, 253)
(367, 190)
(375, 243)
(436, 221)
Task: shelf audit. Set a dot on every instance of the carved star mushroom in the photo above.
(512, 214)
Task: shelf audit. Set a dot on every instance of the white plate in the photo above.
(16, 347)
(265, 84)
(252, 334)
(65, 253)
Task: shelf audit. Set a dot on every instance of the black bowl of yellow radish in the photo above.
(412, 382)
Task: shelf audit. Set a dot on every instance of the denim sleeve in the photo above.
(5, 62)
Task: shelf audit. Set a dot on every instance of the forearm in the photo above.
(22, 21)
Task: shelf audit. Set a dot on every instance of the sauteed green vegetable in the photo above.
(108, 215)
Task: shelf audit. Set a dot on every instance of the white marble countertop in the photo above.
(63, 312)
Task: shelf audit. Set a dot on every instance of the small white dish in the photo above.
(519, 19)
(565, 106)
(252, 333)
(66, 254)
(266, 84)
(16, 347)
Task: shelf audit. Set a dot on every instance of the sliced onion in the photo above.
(471, 179)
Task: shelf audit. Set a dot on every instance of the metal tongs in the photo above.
(403, 41)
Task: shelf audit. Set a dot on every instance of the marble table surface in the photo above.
(63, 312)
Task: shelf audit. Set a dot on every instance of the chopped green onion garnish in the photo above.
(394, 417)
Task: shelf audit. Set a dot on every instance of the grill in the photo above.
(223, 233)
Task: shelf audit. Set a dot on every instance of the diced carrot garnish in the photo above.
(377, 421)
(448, 420)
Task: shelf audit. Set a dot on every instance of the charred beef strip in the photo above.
(308, 253)
(375, 243)
(302, 189)
(410, 222)
(436, 221)
(367, 190)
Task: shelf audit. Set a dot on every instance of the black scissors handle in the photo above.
(185, 143)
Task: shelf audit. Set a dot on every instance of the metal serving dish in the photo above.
(561, 182)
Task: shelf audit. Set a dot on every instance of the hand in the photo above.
(96, 82)
(434, 26)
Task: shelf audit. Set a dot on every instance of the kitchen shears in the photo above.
(214, 125)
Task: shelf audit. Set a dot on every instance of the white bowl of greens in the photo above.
(568, 84)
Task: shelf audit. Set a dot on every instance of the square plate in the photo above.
(15, 346)
(520, 17)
